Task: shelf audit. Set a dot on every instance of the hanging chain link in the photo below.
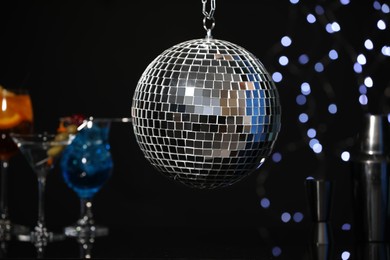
(208, 15)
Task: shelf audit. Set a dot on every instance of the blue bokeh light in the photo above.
(377, 6)
(385, 50)
(303, 59)
(345, 255)
(368, 82)
(385, 8)
(310, 18)
(332, 108)
(332, 27)
(305, 88)
(319, 67)
(301, 100)
(317, 148)
(362, 89)
(381, 25)
(276, 157)
(333, 55)
(361, 59)
(303, 118)
(336, 27)
(346, 227)
(311, 133)
(345, 156)
(319, 10)
(357, 68)
(286, 41)
(265, 203)
(286, 217)
(276, 251)
(368, 44)
(363, 99)
(312, 142)
(277, 76)
(283, 60)
(298, 217)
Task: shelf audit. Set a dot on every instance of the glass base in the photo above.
(86, 231)
(41, 238)
(8, 230)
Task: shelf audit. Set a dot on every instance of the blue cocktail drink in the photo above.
(87, 163)
(86, 166)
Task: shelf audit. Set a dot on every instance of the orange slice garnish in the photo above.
(6, 93)
(10, 121)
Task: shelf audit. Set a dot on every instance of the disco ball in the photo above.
(206, 113)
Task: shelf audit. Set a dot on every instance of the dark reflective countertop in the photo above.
(206, 243)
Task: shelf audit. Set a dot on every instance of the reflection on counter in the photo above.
(374, 251)
(200, 243)
(86, 244)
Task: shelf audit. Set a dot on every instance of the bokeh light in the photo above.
(361, 59)
(298, 217)
(276, 157)
(333, 55)
(286, 217)
(332, 108)
(265, 203)
(277, 77)
(276, 251)
(331, 64)
(345, 255)
(303, 118)
(303, 59)
(346, 227)
(345, 156)
(381, 25)
(311, 133)
(319, 67)
(305, 88)
(283, 60)
(286, 41)
(301, 100)
(368, 44)
(311, 18)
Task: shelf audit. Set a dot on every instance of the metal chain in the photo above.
(208, 15)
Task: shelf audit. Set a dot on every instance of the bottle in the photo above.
(370, 179)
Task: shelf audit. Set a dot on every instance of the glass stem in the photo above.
(86, 215)
(4, 190)
(41, 200)
(40, 252)
(86, 248)
(3, 250)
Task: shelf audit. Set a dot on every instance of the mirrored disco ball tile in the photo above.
(206, 113)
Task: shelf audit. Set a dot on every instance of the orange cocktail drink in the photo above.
(16, 116)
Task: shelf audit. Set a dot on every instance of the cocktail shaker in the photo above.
(373, 251)
(370, 179)
(319, 194)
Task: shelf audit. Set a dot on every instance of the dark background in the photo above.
(86, 57)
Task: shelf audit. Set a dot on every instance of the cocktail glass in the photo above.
(16, 116)
(86, 166)
(41, 152)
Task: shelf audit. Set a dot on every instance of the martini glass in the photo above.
(41, 152)
(86, 166)
(16, 116)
